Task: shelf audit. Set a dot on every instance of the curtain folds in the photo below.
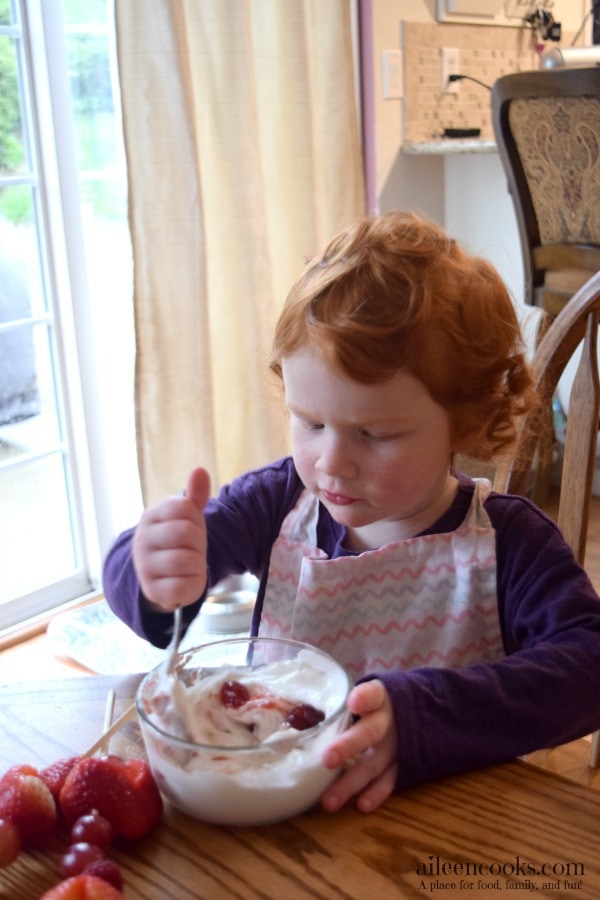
(243, 152)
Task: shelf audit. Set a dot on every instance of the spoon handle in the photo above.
(174, 645)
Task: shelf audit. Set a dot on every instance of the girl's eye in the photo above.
(380, 438)
(306, 424)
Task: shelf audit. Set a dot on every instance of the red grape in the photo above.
(304, 716)
(234, 694)
(78, 857)
(92, 829)
(107, 870)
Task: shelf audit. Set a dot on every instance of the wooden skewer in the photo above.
(110, 709)
(108, 733)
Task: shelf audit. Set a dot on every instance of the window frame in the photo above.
(47, 114)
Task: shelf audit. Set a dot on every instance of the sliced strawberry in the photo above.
(83, 887)
(124, 792)
(28, 804)
(54, 775)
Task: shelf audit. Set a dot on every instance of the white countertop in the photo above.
(446, 146)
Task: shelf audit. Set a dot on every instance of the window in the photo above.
(68, 478)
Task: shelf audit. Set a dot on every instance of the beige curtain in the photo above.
(243, 151)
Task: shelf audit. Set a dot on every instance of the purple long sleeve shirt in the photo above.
(544, 692)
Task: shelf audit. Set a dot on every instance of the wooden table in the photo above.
(460, 837)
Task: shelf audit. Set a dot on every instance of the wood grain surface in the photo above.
(502, 832)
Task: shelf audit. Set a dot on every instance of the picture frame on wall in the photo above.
(473, 12)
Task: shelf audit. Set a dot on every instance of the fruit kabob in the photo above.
(98, 798)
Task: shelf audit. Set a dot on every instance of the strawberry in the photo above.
(83, 887)
(10, 843)
(28, 804)
(12, 774)
(54, 776)
(124, 792)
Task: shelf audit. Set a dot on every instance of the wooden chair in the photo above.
(547, 129)
(575, 325)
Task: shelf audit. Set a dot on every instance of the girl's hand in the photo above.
(169, 547)
(372, 743)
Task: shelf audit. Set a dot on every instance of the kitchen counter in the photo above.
(448, 146)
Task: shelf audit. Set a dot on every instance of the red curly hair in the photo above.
(395, 292)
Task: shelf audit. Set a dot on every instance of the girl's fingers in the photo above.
(370, 702)
(368, 779)
(378, 790)
(367, 697)
(370, 746)
(198, 487)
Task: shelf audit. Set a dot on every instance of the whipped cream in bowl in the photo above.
(235, 735)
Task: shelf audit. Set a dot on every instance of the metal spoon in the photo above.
(282, 741)
(173, 648)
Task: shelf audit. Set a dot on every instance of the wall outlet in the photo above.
(449, 65)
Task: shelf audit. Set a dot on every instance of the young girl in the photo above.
(472, 633)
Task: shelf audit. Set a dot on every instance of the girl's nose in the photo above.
(336, 460)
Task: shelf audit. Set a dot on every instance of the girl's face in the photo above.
(376, 455)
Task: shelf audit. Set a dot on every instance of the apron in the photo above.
(425, 601)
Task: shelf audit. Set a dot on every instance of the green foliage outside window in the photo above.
(11, 149)
(93, 109)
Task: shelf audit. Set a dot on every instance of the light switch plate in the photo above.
(392, 65)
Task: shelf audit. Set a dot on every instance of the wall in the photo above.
(486, 53)
(465, 193)
(388, 17)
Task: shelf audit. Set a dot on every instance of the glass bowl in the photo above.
(232, 735)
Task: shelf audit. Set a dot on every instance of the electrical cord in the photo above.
(468, 78)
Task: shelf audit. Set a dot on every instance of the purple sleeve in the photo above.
(242, 525)
(543, 693)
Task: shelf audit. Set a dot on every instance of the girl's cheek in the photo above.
(301, 457)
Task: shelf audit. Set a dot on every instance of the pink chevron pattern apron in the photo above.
(426, 601)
